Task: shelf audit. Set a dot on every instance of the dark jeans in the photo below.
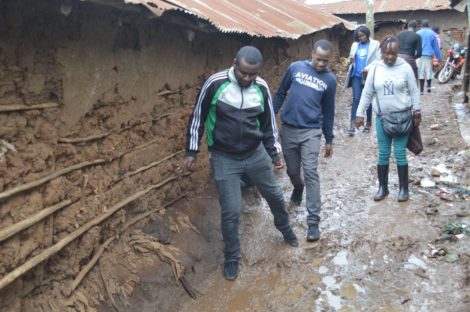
(357, 92)
(227, 173)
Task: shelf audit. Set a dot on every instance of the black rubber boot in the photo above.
(421, 86)
(403, 194)
(382, 173)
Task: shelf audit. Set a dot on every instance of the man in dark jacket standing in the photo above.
(308, 113)
(410, 45)
(234, 107)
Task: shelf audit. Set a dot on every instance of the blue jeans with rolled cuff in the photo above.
(356, 84)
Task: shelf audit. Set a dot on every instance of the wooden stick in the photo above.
(63, 171)
(50, 177)
(187, 286)
(168, 92)
(106, 134)
(108, 292)
(47, 253)
(21, 107)
(69, 290)
(85, 139)
(29, 221)
(155, 163)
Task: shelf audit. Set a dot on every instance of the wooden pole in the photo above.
(29, 221)
(85, 139)
(64, 171)
(466, 66)
(21, 107)
(106, 134)
(370, 16)
(47, 253)
(69, 290)
(155, 163)
(48, 178)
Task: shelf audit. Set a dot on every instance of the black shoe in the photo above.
(231, 270)
(382, 173)
(429, 90)
(313, 233)
(403, 194)
(290, 238)
(296, 196)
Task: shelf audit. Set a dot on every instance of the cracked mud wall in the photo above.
(113, 72)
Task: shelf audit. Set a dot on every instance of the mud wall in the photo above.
(126, 84)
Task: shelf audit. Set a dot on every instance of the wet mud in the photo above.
(373, 256)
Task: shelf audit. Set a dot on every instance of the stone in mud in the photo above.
(431, 211)
(435, 172)
(435, 127)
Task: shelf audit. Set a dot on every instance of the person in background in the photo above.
(435, 62)
(364, 51)
(309, 112)
(234, 107)
(437, 31)
(430, 48)
(393, 83)
(410, 45)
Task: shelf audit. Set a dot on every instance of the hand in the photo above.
(186, 163)
(417, 118)
(328, 150)
(359, 122)
(364, 71)
(278, 164)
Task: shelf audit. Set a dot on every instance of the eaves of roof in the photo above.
(263, 18)
(381, 6)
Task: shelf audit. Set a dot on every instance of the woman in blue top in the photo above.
(364, 51)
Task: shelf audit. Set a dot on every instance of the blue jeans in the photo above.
(385, 146)
(227, 172)
(357, 87)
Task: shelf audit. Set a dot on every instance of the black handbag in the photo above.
(415, 142)
(394, 124)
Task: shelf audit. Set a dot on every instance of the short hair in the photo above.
(412, 24)
(324, 44)
(435, 29)
(425, 23)
(387, 41)
(362, 29)
(250, 54)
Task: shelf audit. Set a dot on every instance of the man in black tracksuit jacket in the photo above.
(234, 107)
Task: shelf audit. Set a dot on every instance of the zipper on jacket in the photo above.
(241, 126)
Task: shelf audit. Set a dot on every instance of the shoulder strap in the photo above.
(375, 91)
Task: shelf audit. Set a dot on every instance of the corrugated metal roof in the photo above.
(265, 18)
(359, 6)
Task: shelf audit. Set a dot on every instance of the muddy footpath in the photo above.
(373, 256)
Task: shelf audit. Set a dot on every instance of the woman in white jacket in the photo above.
(364, 51)
(393, 83)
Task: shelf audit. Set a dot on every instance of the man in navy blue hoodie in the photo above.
(308, 113)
